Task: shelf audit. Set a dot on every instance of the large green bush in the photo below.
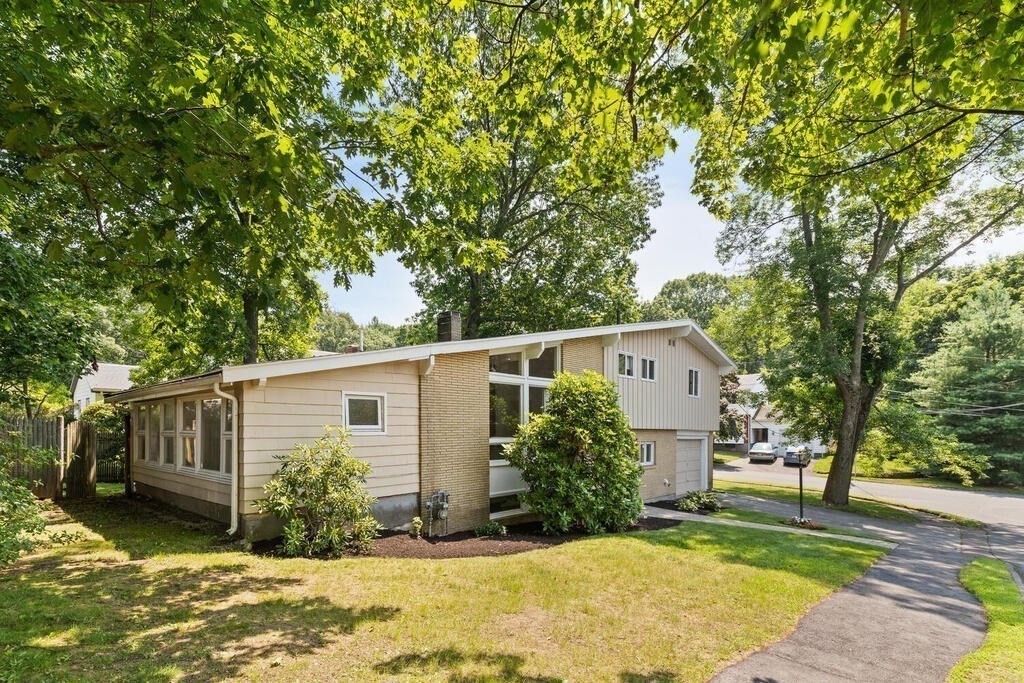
(20, 518)
(579, 458)
(320, 494)
(108, 418)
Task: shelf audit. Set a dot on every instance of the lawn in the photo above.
(812, 497)
(1001, 657)
(766, 518)
(722, 458)
(895, 474)
(150, 596)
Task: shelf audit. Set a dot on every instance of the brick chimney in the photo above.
(449, 326)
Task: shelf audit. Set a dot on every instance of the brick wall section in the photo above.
(583, 354)
(652, 486)
(454, 429)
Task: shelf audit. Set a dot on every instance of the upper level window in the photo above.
(647, 369)
(693, 383)
(507, 363)
(544, 365)
(646, 453)
(627, 365)
(364, 413)
(518, 388)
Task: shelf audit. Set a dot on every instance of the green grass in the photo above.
(1001, 657)
(894, 474)
(774, 520)
(722, 458)
(148, 595)
(812, 498)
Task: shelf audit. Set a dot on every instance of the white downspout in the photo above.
(235, 422)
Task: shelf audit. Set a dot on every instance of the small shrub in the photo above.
(320, 494)
(579, 458)
(20, 518)
(491, 528)
(416, 529)
(695, 501)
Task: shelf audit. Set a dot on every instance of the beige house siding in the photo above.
(652, 485)
(582, 354)
(453, 437)
(664, 404)
(297, 408)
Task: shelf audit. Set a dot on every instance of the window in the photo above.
(538, 399)
(140, 433)
(647, 453)
(760, 434)
(364, 413)
(194, 435)
(153, 433)
(189, 420)
(508, 503)
(507, 363)
(693, 385)
(627, 365)
(210, 435)
(647, 368)
(167, 437)
(545, 364)
(506, 410)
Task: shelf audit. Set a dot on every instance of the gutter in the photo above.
(235, 422)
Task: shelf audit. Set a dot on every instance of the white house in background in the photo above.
(761, 423)
(94, 385)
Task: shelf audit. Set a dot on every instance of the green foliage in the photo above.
(337, 330)
(320, 494)
(751, 324)
(491, 528)
(108, 418)
(579, 458)
(416, 528)
(730, 420)
(696, 501)
(699, 296)
(1001, 657)
(20, 513)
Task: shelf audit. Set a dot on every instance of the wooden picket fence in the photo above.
(72, 472)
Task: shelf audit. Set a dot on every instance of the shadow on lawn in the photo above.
(81, 618)
(490, 666)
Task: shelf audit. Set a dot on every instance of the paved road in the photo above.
(907, 619)
(1003, 513)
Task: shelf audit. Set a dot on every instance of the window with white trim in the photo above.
(190, 436)
(518, 388)
(647, 368)
(693, 383)
(627, 364)
(167, 437)
(364, 413)
(647, 453)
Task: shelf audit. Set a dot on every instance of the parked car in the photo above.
(796, 456)
(762, 451)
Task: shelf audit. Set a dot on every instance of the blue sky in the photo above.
(683, 243)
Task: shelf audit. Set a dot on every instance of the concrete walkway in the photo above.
(907, 619)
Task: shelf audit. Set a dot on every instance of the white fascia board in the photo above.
(241, 373)
(166, 389)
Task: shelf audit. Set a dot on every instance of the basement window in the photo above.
(647, 453)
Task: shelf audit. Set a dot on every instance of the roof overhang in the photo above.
(174, 387)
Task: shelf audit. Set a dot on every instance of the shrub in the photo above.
(320, 493)
(108, 418)
(416, 529)
(695, 501)
(579, 458)
(491, 528)
(20, 519)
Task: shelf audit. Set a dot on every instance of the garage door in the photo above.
(689, 462)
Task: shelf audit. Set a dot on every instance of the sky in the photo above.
(683, 243)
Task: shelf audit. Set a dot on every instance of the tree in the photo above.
(751, 326)
(698, 296)
(46, 334)
(974, 382)
(199, 147)
(730, 420)
(525, 207)
(852, 264)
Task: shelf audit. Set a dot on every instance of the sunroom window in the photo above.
(192, 435)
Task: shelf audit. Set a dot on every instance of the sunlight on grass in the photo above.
(788, 494)
(157, 599)
(1001, 657)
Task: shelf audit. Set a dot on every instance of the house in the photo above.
(97, 382)
(427, 418)
(762, 423)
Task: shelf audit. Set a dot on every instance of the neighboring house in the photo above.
(761, 422)
(94, 385)
(426, 418)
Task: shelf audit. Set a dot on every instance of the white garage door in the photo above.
(689, 462)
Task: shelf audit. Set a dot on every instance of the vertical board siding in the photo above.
(297, 408)
(664, 404)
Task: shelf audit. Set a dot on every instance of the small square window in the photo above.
(627, 365)
(647, 370)
(647, 453)
(545, 365)
(364, 413)
(693, 383)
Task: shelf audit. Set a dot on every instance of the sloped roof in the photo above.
(107, 377)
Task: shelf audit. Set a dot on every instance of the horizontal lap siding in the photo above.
(664, 403)
(298, 408)
(182, 484)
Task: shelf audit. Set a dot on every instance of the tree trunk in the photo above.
(27, 399)
(251, 312)
(474, 306)
(857, 404)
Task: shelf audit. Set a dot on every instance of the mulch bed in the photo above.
(520, 539)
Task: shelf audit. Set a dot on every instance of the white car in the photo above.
(763, 451)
